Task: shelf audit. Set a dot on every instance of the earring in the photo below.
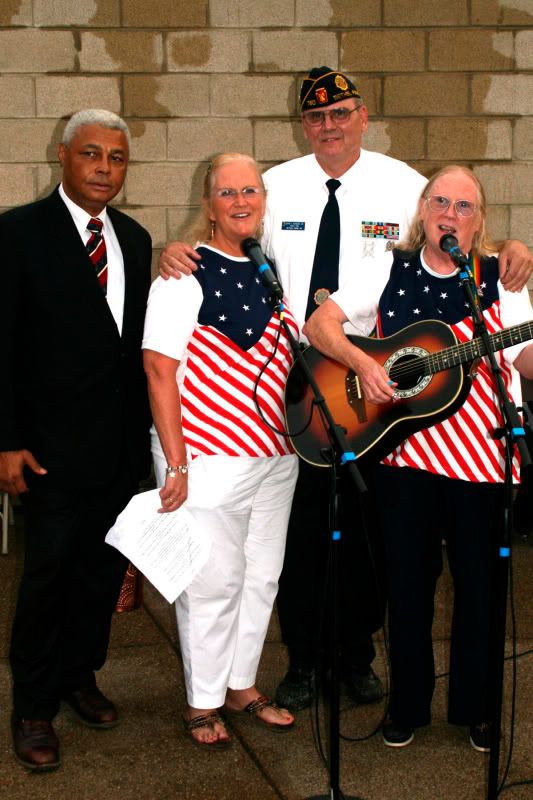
(212, 229)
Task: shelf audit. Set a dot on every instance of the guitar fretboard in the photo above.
(463, 353)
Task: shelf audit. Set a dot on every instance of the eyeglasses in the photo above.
(248, 192)
(464, 208)
(338, 115)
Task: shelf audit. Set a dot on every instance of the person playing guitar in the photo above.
(443, 480)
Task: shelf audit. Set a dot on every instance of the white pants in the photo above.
(223, 615)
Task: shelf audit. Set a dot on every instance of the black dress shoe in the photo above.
(297, 689)
(36, 745)
(92, 707)
(397, 735)
(363, 687)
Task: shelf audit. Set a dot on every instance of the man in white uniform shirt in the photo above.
(376, 196)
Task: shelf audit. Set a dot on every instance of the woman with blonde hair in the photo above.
(217, 359)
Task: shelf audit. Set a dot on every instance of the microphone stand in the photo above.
(338, 454)
(514, 434)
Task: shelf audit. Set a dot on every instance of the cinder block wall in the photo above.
(444, 81)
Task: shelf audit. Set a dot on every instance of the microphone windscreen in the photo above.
(448, 242)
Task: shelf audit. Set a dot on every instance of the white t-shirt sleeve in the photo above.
(171, 315)
(515, 307)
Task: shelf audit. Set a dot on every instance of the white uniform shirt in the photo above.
(115, 262)
(377, 189)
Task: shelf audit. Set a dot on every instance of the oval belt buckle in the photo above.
(320, 296)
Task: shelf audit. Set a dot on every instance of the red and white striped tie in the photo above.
(96, 250)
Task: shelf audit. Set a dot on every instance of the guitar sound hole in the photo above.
(405, 372)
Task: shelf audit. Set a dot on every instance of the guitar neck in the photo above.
(465, 352)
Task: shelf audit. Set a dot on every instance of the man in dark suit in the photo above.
(74, 423)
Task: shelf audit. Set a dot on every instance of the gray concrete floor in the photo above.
(148, 757)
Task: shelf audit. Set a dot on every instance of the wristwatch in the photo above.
(172, 471)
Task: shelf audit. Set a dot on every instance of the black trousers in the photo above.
(418, 510)
(68, 590)
(302, 605)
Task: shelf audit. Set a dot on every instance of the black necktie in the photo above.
(325, 274)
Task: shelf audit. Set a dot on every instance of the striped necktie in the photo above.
(96, 250)
(325, 273)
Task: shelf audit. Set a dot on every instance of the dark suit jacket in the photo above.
(73, 390)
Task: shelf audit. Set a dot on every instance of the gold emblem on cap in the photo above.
(320, 296)
(341, 82)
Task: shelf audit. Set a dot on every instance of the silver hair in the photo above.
(94, 116)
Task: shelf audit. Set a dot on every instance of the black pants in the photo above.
(68, 591)
(301, 599)
(418, 510)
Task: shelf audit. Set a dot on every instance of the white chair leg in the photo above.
(6, 511)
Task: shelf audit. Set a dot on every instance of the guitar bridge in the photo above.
(354, 395)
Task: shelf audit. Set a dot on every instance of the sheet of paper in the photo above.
(169, 549)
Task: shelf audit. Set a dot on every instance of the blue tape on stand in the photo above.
(262, 267)
(518, 432)
(348, 456)
(336, 535)
(464, 274)
(505, 552)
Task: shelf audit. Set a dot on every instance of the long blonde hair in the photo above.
(202, 227)
(482, 244)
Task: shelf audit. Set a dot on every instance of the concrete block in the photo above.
(469, 139)
(213, 51)
(166, 95)
(83, 13)
(164, 13)
(399, 138)
(16, 185)
(36, 51)
(294, 51)
(421, 95)
(502, 12)
(17, 96)
(15, 12)
(371, 90)
(382, 51)
(337, 14)
(250, 14)
(521, 226)
(148, 140)
(29, 140)
(507, 183)
(476, 50)
(48, 176)
(524, 48)
(153, 219)
(253, 95)
(58, 96)
(160, 185)
(121, 51)
(523, 139)
(430, 13)
(502, 94)
(202, 139)
(279, 141)
(179, 220)
(498, 222)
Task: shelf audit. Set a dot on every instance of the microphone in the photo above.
(450, 245)
(252, 250)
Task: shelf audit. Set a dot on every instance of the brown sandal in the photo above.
(206, 721)
(258, 705)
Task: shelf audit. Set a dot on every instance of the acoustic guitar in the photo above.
(434, 374)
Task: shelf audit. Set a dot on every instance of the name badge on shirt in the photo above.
(293, 226)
